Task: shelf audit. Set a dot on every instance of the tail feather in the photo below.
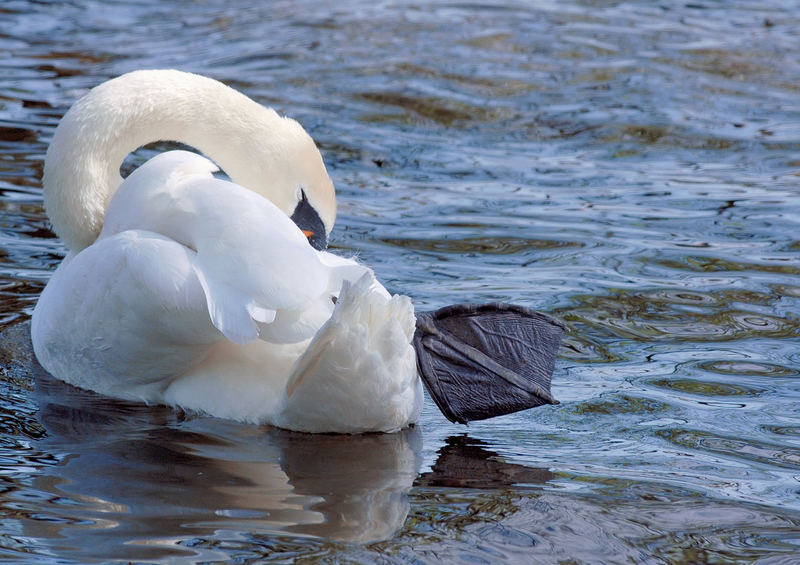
(358, 373)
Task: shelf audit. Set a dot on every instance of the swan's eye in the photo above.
(301, 194)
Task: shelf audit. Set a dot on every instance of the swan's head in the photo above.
(294, 178)
(257, 148)
(313, 199)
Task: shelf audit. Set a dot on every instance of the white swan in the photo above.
(183, 289)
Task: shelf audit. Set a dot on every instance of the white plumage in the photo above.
(184, 289)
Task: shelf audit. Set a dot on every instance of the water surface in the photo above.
(632, 168)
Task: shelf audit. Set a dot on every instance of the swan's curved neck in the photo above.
(81, 170)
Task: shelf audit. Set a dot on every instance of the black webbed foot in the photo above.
(480, 361)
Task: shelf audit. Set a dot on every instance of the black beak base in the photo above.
(307, 219)
(481, 361)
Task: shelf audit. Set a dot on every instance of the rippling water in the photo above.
(632, 168)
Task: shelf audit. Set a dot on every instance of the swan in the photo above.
(219, 296)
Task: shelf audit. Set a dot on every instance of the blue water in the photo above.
(632, 168)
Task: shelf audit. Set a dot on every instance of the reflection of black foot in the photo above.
(463, 463)
(483, 361)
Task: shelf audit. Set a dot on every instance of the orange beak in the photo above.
(308, 233)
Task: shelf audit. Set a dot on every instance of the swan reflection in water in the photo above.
(143, 480)
(148, 483)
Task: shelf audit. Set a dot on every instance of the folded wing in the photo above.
(250, 258)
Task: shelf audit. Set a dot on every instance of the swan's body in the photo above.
(183, 289)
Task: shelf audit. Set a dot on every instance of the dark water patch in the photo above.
(730, 64)
(16, 134)
(253, 547)
(613, 405)
(254, 61)
(685, 297)
(786, 431)
(486, 245)
(446, 112)
(662, 315)
(748, 368)
(87, 57)
(576, 346)
(13, 423)
(488, 86)
(717, 264)
(57, 71)
(706, 388)
(734, 447)
(788, 290)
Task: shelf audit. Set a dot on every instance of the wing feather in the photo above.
(251, 259)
